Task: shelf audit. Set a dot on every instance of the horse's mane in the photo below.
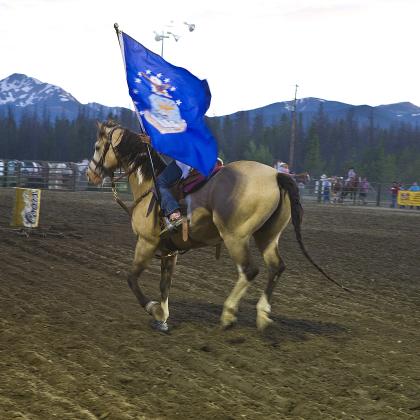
(134, 152)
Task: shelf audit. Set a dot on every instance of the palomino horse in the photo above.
(243, 200)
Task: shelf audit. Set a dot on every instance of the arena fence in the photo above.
(378, 194)
(65, 176)
(69, 176)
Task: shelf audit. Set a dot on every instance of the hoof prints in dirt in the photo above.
(75, 344)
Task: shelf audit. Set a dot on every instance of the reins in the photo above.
(129, 210)
(99, 165)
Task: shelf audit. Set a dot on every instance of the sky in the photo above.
(252, 53)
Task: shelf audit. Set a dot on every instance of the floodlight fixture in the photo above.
(176, 37)
(191, 26)
(159, 37)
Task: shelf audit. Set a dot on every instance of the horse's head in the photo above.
(105, 158)
(116, 147)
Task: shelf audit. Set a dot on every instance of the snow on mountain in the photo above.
(26, 95)
(21, 91)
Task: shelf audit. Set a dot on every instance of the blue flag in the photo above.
(171, 103)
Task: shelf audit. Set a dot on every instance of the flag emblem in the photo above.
(164, 113)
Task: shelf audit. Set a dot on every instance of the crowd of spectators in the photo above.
(335, 189)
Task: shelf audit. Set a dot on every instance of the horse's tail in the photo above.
(288, 184)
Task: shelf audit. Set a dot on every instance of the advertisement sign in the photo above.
(27, 207)
(409, 198)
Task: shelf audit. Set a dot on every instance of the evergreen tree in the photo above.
(312, 161)
(226, 139)
(258, 153)
(381, 154)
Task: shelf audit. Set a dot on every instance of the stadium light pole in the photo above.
(293, 133)
(160, 37)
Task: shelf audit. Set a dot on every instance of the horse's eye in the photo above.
(97, 148)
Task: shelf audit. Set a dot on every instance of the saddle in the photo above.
(194, 181)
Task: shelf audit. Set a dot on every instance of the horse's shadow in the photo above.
(283, 328)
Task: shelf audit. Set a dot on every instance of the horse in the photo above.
(303, 177)
(336, 189)
(350, 187)
(243, 200)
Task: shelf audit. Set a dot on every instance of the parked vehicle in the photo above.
(12, 173)
(60, 176)
(80, 168)
(31, 174)
(2, 173)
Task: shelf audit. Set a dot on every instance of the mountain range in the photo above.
(21, 94)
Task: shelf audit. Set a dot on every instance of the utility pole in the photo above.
(293, 133)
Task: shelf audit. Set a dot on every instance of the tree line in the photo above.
(323, 145)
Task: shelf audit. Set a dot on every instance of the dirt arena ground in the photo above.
(74, 343)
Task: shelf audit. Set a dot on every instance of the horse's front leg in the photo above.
(161, 311)
(144, 253)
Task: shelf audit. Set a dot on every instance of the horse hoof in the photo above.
(226, 327)
(227, 320)
(263, 322)
(161, 326)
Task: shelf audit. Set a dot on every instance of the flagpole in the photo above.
(143, 131)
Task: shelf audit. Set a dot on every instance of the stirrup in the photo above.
(172, 226)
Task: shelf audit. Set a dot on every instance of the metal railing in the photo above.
(64, 176)
(378, 194)
(70, 176)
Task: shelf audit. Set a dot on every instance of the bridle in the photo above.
(99, 168)
(101, 171)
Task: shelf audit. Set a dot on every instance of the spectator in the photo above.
(326, 187)
(395, 187)
(414, 187)
(363, 190)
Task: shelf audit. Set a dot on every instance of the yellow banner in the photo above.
(409, 198)
(27, 206)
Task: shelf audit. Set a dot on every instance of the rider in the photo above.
(282, 167)
(167, 178)
(351, 174)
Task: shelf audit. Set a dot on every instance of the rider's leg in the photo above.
(169, 176)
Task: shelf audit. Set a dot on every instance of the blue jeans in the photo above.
(393, 201)
(167, 178)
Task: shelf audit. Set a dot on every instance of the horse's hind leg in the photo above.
(275, 266)
(239, 251)
(267, 241)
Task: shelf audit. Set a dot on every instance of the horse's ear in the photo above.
(98, 125)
